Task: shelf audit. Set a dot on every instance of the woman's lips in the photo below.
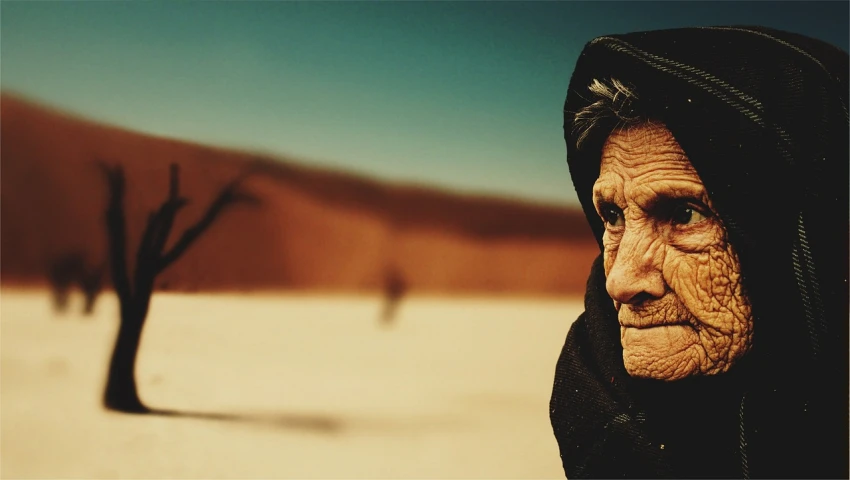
(656, 325)
(665, 312)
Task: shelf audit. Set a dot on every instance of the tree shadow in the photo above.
(324, 424)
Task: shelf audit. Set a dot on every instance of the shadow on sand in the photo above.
(322, 424)
(305, 422)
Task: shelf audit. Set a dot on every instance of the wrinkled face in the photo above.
(672, 275)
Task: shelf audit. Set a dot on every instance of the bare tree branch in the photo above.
(157, 232)
(144, 269)
(151, 231)
(169, 212)
(229, 195)
(191, 234)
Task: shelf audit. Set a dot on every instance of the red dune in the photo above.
(315, 229)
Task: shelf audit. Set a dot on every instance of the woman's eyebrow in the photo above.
(689, 191)
(600, 197)
(604, 192)
(665, 200)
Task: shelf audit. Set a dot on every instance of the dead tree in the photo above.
(134, 289)
(71, 270)
(394, 289)
(62, 273)
(91, 283)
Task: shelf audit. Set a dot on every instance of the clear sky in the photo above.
(465, 95)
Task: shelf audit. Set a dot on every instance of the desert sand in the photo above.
(285, 386)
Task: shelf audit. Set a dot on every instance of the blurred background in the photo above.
(387, 288)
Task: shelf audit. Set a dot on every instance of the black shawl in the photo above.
(762, 115)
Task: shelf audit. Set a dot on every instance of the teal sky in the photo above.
(465, 95)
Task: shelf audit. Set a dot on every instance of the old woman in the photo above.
(712, 165)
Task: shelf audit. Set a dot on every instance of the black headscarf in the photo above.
(762, 116)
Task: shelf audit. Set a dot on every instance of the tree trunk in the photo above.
(121, 393)
(88, 309)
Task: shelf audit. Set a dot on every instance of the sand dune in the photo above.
(316, 229)
(296, 386)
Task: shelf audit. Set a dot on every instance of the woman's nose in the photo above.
(636, 273)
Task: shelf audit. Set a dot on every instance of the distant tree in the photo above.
(134, 289)
(62, 272)
(71, 270)
(394, 289)
(91, 282)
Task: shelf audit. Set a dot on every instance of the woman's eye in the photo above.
(613, 216)
(686, 216)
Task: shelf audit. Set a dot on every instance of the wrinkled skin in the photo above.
(674, 278)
